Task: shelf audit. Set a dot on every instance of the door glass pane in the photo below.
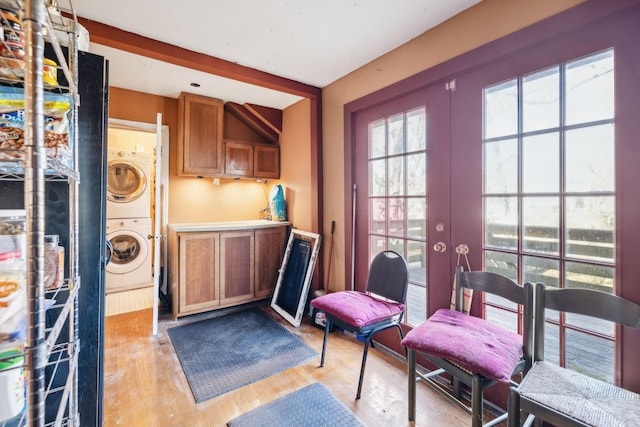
(417, 218)
(501, 222)
(590, 355)
(417, 261)
(396, 134)
(501, 166)
(590, 159)
(501, 109)
(395, 211)
(590, 228)
(590, 88)
(416, 304)
(541, 225)
(506, 319)
(396, 176)
(377, 215)
(589, 276)
(377, 177)
(502, 263)
(543, 270)
(416, 183)
(398, 246)
(377, 140)
(541, 100)
(416, 130)
(552, 339)
(377, 244)
(541, 163)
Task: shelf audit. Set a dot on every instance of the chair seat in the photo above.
(357, 308)
(472, 343)
(583, 398)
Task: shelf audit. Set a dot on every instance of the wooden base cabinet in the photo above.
(236, 260)
(269, 249)
(199, 284)
(213, 269)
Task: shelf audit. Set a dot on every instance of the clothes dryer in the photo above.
(128, 184)
(130, 266)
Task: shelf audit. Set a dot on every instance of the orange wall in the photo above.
(199, 200)
(479, 25)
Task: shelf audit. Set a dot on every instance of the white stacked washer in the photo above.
(130, 265)
(128, 184)
(129, 220)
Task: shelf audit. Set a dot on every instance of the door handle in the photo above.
(440, 247)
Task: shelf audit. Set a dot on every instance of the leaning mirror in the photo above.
(294, 278)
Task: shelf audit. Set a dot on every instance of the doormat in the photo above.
(311, 406)
(224, 353)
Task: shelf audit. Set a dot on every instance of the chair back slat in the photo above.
(587, 302)
(388, 276)
(594, 303)
(493, 283)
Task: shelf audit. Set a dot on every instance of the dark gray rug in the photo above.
(311, 406)
(225, 353)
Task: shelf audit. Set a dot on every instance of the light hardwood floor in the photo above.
(145, 384)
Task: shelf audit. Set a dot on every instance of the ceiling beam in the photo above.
(130, 42)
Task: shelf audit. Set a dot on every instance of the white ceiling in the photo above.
(311, 41)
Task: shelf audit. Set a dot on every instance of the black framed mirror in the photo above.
(294, 278)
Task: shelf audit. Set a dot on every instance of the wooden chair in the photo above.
(472, 350)
(379, 307)
(564, 397)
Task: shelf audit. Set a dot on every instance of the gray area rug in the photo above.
(311, 406)
(225, 353)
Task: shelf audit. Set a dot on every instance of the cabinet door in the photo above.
(236, 263)
(238, 159)
(266, 161)
(270, 243)
(199, 266)
(200, 132)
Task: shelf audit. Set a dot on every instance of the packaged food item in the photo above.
(53, 262)
(57, 115)
(11, 383)
(13, 288)
(12, 234)
(11, 35)
(49, 73)
(12, 69)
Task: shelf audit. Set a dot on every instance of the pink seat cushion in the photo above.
(470, 342)
(357, 308)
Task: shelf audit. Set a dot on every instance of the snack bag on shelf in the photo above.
(57, 129)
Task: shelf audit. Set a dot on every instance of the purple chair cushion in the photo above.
(357, 308)
(470, 342)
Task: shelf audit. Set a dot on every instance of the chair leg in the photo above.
(513, 408)
(476, 401)
(411, 365)
(367, 342)
(327, 326)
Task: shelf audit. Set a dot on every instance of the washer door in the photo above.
(125, 181)
(130, 250)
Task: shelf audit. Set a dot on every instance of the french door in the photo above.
(402, 190)
(530, 161)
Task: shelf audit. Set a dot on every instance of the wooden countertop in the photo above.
(226, 225)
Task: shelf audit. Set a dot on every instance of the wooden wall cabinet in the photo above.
(243, 159)
(200, 121)
(222, 267)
